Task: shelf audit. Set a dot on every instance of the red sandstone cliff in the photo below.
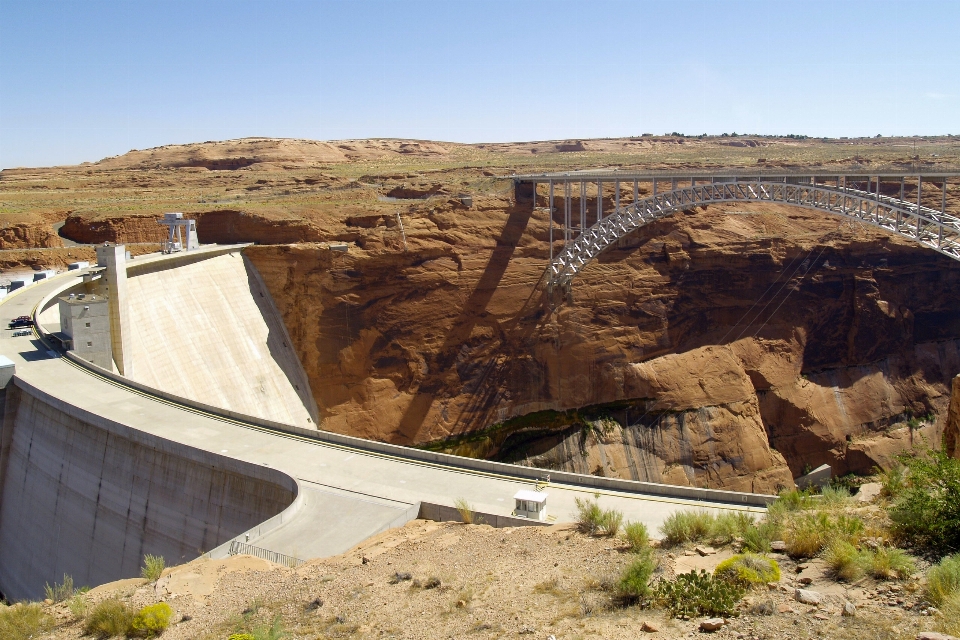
(829, 336)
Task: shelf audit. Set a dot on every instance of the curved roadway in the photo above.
(347, 493)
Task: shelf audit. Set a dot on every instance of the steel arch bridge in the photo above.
(931, 228)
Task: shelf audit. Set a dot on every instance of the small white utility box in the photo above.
(7, 369)
(531, 504)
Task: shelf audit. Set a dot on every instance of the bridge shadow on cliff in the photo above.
(476, 304)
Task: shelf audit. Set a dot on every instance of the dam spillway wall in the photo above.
(209, 331)
(84, 496)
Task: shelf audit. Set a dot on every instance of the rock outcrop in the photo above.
(835, 343)
(951, 433)
(28, 231)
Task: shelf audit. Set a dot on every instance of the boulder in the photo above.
(933, 635)
(807, 597)
(711, 624)
(849, 609)
(869, 492)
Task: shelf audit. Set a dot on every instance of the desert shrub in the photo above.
(730, 525)
(698, 594)
(111, 617)
(885, 563)
(60, 592)
(635, 581)
(843, 560)
(686, 526)
(637, 536)
(152, 567)
(151, 620)
(465, 510)
(78, 606)
(926, 512)
(593, 520)
(610, 522)
(23, 621)
(757, 537)
(589, 515)
(748, 569)
(943, 580)
(764, 608)
(808, 533)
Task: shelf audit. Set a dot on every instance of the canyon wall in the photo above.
(836, 343)
(83, 496)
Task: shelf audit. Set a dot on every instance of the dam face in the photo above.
(82, 496)
(208, 331)
(88, 498)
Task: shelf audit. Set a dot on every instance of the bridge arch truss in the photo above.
(851, 197)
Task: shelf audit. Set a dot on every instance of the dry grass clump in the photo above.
(843, 560)
(637, 536)
(465, 510)
(152, 567)
(809, 533)
(702, 526)
(686, 526)
(887, 563)
(111, 617)
(23, 621)
(949, 621)
(593, 520)
(60, 592)
(943, 580)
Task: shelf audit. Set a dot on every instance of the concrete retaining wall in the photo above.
(84, 496)
(442, 513)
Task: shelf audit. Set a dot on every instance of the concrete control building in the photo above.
(85, 328)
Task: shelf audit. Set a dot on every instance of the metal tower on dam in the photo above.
(862, 196)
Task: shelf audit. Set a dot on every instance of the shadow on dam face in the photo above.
(83, 496)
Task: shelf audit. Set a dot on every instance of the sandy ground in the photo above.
(526, 582)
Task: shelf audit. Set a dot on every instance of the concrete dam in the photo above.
(200, 436)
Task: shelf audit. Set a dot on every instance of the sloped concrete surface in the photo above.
(208, 331)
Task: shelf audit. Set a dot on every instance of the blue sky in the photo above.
(82, 80)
